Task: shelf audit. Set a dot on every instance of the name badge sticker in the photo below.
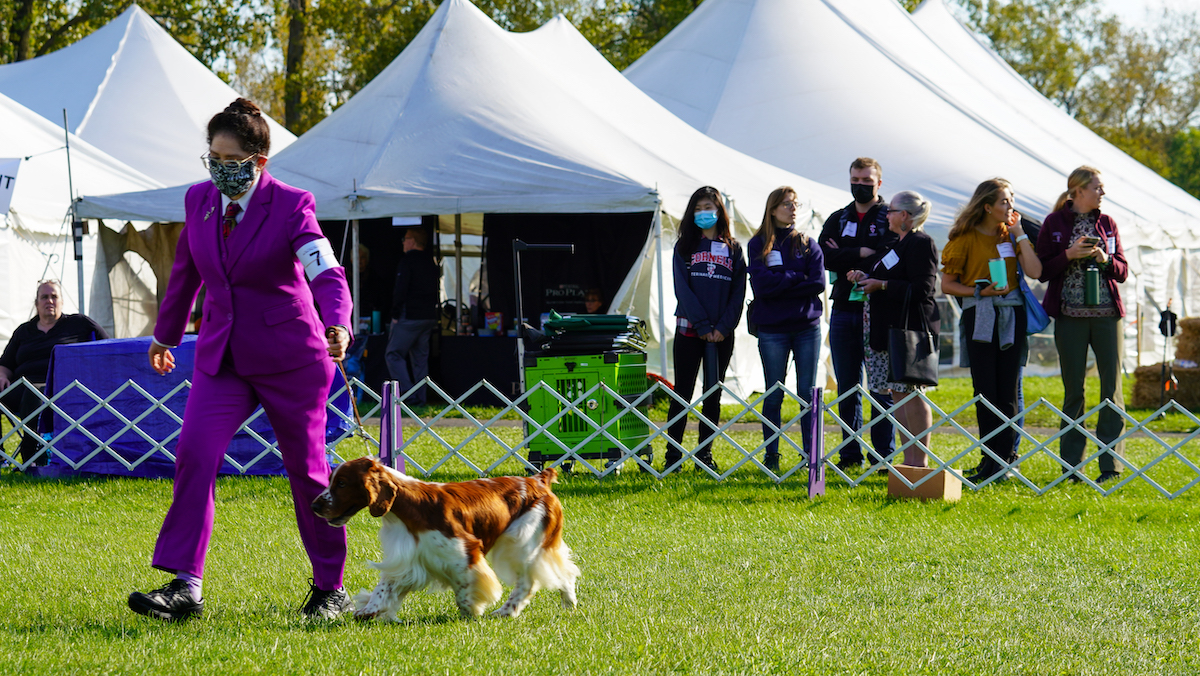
(1006, 250)
(851, 229)
(1112, 245)
(889, 261)
(719, 249)
(774, 258)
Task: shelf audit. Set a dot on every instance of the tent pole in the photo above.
(357, 273)
(458, 297)
(77, 236)
(662, 304)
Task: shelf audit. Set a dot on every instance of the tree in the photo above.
(207, 28)
(1138, 89)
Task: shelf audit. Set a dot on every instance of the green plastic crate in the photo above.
(571, 376)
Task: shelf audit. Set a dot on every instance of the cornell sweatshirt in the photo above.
(710, 287)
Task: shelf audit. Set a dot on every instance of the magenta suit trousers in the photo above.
(294, 402)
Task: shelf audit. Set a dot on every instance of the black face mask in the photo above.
(863, 194)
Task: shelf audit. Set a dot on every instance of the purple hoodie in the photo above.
(787, 297)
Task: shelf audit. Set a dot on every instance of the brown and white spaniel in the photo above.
(436, 536)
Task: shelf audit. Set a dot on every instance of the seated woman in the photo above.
(27, 355)
(904, 276)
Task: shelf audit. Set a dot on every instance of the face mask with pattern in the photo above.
(233, 180)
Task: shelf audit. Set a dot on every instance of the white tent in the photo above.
(1164, 269)
(35, 233)
(810, 85)
(473, 119)
(131, 90)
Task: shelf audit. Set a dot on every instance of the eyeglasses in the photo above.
(211, 162)
(790, 205)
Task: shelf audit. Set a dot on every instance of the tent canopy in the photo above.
(808, 86)
(133, 91)
(35, 234)
(473, 119)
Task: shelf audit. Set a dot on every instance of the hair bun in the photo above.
(243, 106)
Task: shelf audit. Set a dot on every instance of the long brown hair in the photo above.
(766, 231)
(973, 214)
(689, 234)
(1078, 180)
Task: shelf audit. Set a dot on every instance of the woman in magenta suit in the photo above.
(276, 314)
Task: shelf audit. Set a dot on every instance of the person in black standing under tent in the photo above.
(414, 314)
(27, 355)
(851, 239)
(710, 287)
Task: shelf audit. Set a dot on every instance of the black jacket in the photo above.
(915, 271)
(416, 294)
(873, 233)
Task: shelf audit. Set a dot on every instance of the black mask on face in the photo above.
(863, 194)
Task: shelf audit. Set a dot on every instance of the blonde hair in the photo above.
(46, 282)
(912, 202)
(1078, 180)
(766, 231)
(986, 194)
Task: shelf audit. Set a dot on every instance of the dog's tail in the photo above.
(547, 476)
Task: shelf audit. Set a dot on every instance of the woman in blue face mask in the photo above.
(710, 287)
(787, 272)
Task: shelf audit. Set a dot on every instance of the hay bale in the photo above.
(1147, 387)
(1187, 342)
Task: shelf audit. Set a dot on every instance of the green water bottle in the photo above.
(1091, 284)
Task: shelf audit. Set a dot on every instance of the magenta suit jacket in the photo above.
(258, 306)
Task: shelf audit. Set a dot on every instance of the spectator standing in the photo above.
(27, 356)
(414, 314)
(905, 276)
(787, 274)
(1077, 240)
(993, 315)
(710, 288)
(850, 240)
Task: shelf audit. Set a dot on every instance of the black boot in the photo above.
(705, 458)
(771, 461)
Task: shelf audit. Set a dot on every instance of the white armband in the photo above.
(316, 257)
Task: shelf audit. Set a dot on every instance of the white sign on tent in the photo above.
(8, 182)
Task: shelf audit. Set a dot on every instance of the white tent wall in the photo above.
(28, 257)
(473, 119)
(832, 53)
(133, 91)
(35, 234)
(1161, 227)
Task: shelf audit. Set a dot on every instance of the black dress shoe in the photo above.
(1073, 476)
(325, 605)
(771, 462)
(848, 463)
(1107, 476)
(171, 602)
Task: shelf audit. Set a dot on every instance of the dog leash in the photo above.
(331, 332)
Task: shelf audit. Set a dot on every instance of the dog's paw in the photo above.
(506, 611)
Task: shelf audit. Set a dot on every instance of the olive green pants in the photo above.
(1072, 336)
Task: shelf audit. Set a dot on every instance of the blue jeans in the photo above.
(846, 341)
(774, 348)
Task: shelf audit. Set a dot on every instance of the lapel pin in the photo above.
(210, 212)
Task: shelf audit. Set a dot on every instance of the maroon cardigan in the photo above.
(1052, 245)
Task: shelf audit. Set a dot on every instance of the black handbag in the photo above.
(912, 352)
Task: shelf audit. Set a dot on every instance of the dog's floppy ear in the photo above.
(383, 493)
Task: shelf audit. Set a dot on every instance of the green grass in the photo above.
(681, 575)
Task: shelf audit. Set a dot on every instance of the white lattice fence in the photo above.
(619, 450)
